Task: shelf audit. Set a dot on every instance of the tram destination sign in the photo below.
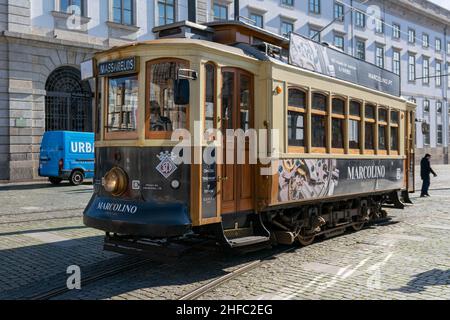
(310, 55)
(123, 66)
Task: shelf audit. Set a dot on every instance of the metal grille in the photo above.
(68, 104)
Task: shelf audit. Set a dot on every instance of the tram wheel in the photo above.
(76, 178)
(358, 226)
(306, 241)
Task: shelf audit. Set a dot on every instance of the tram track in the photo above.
(87, 280)
(202, 290)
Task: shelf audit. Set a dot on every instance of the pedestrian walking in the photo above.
(425, 170)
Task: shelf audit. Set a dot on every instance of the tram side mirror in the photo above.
(181, 92)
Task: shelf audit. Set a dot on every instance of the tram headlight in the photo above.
(116, 181)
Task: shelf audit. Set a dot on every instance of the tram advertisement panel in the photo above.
(313, 56)
(303, 179)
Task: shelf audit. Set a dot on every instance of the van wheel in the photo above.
(76, 178)
(55, 180)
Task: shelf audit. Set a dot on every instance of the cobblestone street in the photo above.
(41, 234)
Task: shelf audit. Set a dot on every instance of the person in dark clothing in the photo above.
(425, 170)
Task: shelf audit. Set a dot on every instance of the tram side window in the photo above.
(318, 120)
(164, 115)
(210, 103)
(354, 125)
(122, 104)
(394, 130)
(382, 129)
(369, 139)
(296, 117)
(338, 118)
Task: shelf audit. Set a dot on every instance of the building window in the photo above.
(396, 31)
(123, 11)
(288, 2)
(314, 35)
(339, 11)
(257, 20)
(220, 12)
(379, 56)
(319, 120)
(354, 125)
(411, 36)
(361, 49)
(339, 42)
(166, 9)
(286, 28)
(426, 71)
(426, 105)
(425, 40)
(164, 115)
(65, 5)
(438, 73)
(438, 44)
(411, 68)
(314, 6)
(448, 73)
(439, 134)
(438, 107)
(360, 19)
(379, 25)
(396, 62)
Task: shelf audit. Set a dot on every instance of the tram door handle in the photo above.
(223, 179)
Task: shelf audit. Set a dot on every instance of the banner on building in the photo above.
(310, 55)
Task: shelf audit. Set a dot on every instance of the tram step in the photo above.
(248, 241)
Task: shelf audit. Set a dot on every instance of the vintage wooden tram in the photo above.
(344, 149)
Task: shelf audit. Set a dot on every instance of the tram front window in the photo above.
(122, 104)
(164, 116)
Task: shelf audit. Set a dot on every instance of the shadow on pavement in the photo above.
(41, 230)
(422, 280)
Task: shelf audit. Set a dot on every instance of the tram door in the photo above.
(237, 113)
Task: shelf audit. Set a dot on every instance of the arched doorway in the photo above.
(68, 104)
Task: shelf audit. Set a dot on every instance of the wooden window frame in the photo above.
(214, 93)
(385, 124)
(374, 122)
(304, 111)
(326, 115)
(344, 128)
(160, 135)
(361, 124)
(394, 125)
(127, 135)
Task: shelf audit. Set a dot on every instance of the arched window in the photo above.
(296, 119)
(68, 102)
(337, 124)
(354, 125)
(319, 122)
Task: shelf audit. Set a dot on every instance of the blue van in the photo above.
(67, 155)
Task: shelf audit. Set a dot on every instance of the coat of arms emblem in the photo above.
(167, 165)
